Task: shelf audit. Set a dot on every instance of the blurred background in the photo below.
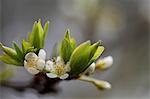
(122, 25)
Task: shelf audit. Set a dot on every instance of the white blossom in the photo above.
(33, 63)
(57, 69)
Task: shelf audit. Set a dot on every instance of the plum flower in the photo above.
(57, 69)
(33, 63)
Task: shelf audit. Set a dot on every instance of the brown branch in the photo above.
(40, 82)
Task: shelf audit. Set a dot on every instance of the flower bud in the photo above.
(104, 63)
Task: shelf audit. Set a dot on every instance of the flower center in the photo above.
(32, 63)
(59, 70)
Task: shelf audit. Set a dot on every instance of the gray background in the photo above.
(122, 25)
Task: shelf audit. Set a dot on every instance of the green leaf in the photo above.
(9, 51)
(32, 34)
(67, 35)
(65, 50)
(8, 60)
(40, 34)
(46, 27)
(67, 47)
(73, 43)
(26, 46)
(19, 52)
(80, 58)
(94, 48)
(98, 52)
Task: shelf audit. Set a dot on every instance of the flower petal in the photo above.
(25, 64)
(49, 65)
(42, 54)
(59, 61)
(40, 64)
(91, 68)
(104, 63)
(30, 56)
(33, 71)
(51, 75)
(64, 76)
(108, 60)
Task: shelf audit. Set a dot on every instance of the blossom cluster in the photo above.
(70, 61)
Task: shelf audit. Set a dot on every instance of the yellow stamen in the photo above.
(59, 70)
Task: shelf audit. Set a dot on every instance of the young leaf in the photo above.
(98, 52)
(40, 34)
(46, 27)
(9, 51)
(67, 35)
(8, 60)
(26, 46)
(94, 48)
(19, 52)
(80, 58)
(32, 34)
(67, 47)
(73, 43)
(65, 50)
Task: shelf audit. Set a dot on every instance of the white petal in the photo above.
(25, 64)
(51, 75)
(49, 65)
(59, 61)
(64, 76)
(42, 54)
(40, 64)
(91, 68)
(33, 71)
(108, 61)
(104, 63)
(30, 55)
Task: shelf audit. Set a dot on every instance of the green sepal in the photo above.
(67, 46)
(80, 58)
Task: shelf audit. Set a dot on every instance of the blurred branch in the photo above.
(40, 82)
